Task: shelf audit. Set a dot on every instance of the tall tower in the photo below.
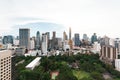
(38, 40)
(70, 33)
(54, 35)
(44, 43)
(24, 35)
(64, 36)
(77, 39)
(70, 40)
(93, 38)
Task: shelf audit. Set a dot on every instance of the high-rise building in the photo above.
(70, 40)
(54, 35)
(104, 40)
(64, 36)
(24, 35)
(16, 41)
(70, 33)
(44, 44)
(54, 42)
(38, 40)
(8, 39)
(5, 65)
(32, 43)
(93, 38)
(77, 39)
(109, 53)
(48, 39)
(85, 37)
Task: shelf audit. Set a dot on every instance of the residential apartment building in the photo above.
(5, 65)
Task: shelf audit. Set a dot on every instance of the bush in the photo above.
(97, 76)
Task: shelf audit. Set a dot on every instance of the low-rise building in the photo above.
(34, 63)
(117, 64)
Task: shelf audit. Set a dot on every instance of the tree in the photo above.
(97, 76)
(86, 66)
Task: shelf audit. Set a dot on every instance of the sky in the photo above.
(83, 16)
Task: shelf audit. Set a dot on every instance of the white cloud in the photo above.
(84, 16)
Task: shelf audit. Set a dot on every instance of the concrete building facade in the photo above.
(5, 65)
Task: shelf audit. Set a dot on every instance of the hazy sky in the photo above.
(83, 16)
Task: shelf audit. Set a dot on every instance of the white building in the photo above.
(32, 43)
(117, 64)
(66, 45)
(9, 46)
(16, 42)
(33, 53)
(44, 44)
(5, 65)
(34, 63)
(111, 42)
(96, 47)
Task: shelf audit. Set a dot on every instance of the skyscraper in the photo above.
(70, 33)
(93, 38)
(48, 39)
(85, 37)
(24, 35)
(70, 41)
(38, 40)
(32, 43)
(54, 35)
(44, 43)
(77, 39)
(5, 65)
(8, 39)
(64, 36)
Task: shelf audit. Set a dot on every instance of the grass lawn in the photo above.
(80, 74)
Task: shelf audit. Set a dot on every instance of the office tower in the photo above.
(85, 37)
(48, 39)
(54, 42)
(54, 35)
(64, 36)
(48, 35)
(59, 41)
(93, 38)
(77, 39)
(38, 40)
(24, 35)
(44, 44)
(70, 40)
(5, 65)
(70, 33)
(8, 39)
(32, 43)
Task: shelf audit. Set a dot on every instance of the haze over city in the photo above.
(88, 16)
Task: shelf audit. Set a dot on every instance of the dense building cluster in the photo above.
(45, 45)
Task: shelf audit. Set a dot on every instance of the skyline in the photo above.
(96, 16)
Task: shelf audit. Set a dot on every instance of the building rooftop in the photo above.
(33, 63)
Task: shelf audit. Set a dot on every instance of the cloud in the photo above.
(42, 27)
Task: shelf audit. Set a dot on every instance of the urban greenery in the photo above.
(88, 67)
